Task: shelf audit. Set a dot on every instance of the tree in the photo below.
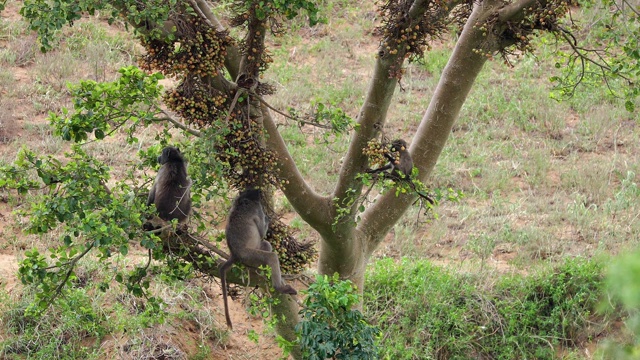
(232, 139)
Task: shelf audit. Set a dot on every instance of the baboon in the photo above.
(400, 168)
(246, 228)
(171, 191)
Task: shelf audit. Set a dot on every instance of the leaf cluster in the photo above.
(102, 108)
(330, 327)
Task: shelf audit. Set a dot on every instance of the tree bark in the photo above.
(287, 308)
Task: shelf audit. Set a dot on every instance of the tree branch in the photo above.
(179, 125)
(72, 265)
(434, 129)
(514, 10)
(301, 121)
(203, 9)
(312, 207)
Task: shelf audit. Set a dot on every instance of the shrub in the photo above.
(426, 312)
(330, 327)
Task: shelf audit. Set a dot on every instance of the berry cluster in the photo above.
(255, 16)
(515, 36)
(196, 49)
(249, 162)
(294, 256)
(376, 151)
(407, 37)
(196, 102)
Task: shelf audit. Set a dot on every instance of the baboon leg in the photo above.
(256, 258)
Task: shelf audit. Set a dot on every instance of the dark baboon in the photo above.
(171, 191)
(400, 167)
(246, 228)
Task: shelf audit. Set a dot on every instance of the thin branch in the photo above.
(72, 265)
(179, 201)
(304, 122)
(209, 246)
(630, 6)
(580, 53)
(179, 124)
(312, 207)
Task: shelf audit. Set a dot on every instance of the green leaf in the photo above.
(630, 106)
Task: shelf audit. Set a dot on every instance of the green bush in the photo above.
(623, 283)
(330, 328)
(426, 312)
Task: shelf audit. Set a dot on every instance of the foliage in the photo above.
(330, 328)
(102, 108)
(92, 216)
(60, 333)
(427, 312)
(623, 285)
(84, 323)
(71, 195)
(616, 44)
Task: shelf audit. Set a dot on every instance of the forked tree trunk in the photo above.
(348, 253)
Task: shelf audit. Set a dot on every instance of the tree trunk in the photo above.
(287, 308)
(346, 256)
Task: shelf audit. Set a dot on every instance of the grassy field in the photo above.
(551, 193)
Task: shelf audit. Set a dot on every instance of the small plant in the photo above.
(482, 246)
(330, 327)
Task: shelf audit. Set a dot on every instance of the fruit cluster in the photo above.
(407, 37)
(255, 17)
(249, 162)
(515, 37)
(294, 256)
(376, 151)
(196, 102)
(196, 49)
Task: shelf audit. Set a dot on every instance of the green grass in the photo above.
(429, 312)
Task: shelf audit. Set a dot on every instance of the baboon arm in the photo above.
(152, 195)
(390, 157)
(261, 225)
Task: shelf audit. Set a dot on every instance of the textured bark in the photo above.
(312, 207)
(287, 308)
